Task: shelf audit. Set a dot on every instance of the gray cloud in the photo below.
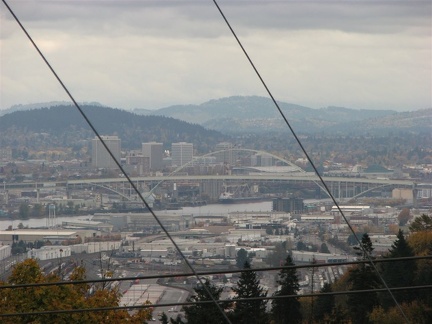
(155, 53)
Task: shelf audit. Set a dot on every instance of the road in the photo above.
(171, 295)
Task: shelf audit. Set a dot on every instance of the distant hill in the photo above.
(63, 125)
(254, 114)
(43, 105)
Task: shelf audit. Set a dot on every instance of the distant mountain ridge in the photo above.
(253, 114)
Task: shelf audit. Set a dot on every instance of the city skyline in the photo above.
(152, 55)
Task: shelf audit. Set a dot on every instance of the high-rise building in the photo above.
(181, 153)
(261, 160)
(155, 152)
(290, 205)
(228, 155)
(100, 156)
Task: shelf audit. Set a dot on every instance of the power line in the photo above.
(308, 157)
(139, 194)
(101, 309)
(113, 157)
(208, 273)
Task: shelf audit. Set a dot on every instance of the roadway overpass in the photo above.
(212, 185)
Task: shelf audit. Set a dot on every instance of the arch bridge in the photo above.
(212, 185)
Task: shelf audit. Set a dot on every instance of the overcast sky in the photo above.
(152, 54)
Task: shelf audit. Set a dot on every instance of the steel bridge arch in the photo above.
(227, 150)
(110, 189)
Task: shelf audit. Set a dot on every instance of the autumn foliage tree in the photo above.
(38, 299)
(404, 216)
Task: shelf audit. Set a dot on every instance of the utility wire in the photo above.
(114, 159)
(309, 158)
(140, 195)
(208, 273)
(204, 302)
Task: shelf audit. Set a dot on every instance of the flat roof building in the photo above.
(32, 235)
(181, 153)
(228, 154)
(155, 152)
(100, 156)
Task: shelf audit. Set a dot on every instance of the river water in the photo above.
(213, 209)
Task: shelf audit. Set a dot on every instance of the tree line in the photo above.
(370, 307)
(250, 303)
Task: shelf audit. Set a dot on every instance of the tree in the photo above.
(404, 216)
(205, 313)
(37, 210)
(248, 286)
(421, 243)
(287, 310)
(324, 248)
(24, 211)
(60, 297)
(177, 320)
(278, 256)
(362, 277)
(365, 248)
(416, 312)
(421, 223)
(352, 240)
(18, 247)
(324, 304)
(400, 274)
(163, 318)
(301, 246)
(242, 257)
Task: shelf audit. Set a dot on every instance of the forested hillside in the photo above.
(63, 125)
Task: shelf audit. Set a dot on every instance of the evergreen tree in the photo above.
(362, 277)
(205, 313)
(24, 211)
(163, 318)
(324, 248)
(278, 256)
(242, 257)
(287, 310)
(365, 248)
(399, 274)
(421, 223)
(249, 312)
(325, 304)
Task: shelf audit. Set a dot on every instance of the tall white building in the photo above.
(181, 153)
(101, 157)
(228, 155)
(155, 152)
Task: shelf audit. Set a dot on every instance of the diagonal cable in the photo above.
(116, 162)
(309, 158)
